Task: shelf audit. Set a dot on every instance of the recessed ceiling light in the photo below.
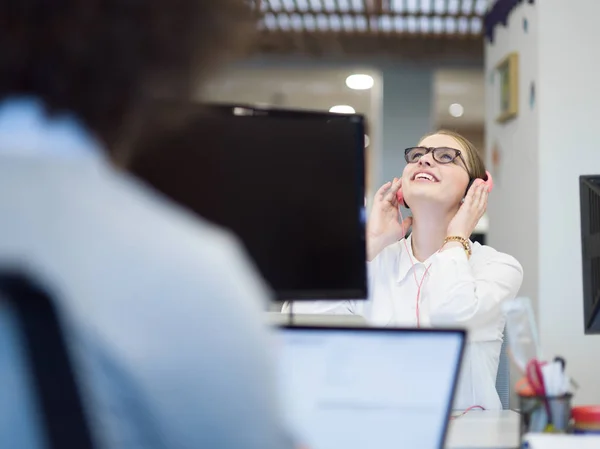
(242, 111)
(342, 109)
(456, 110)
(360, 81)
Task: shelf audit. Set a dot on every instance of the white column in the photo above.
(534, 212)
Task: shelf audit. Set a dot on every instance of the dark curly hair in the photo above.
(99, 58)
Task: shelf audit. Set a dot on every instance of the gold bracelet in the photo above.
(464, 242)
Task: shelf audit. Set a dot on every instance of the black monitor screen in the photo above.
(290, 184)
(589, 191)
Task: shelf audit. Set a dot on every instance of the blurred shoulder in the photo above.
(168, 250)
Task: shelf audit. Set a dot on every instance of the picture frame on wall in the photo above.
(508, 74)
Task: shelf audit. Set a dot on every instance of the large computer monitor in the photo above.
(589, 193)
(289, 183)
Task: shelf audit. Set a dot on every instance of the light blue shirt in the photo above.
(163, 312)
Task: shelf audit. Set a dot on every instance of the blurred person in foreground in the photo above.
(163, 311)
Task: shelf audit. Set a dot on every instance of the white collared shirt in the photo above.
(163, 311)
(456, 292)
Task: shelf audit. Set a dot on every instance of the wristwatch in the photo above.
(463, 241)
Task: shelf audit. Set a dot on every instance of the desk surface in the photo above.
(484, 430)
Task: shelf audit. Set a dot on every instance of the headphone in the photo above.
(489, 182)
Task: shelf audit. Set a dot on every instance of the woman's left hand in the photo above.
(470, 212)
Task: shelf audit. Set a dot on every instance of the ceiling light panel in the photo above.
(476, 25)
(463, 25)
(402, 16)
(344, 5)
(412, 6)
(284, 22)
(397, 6)
(348, 22)
(411, 24)
(297, 22)
(450, 23)
(316, 5)
(309, 22)
(357, 5)
(322, 22)
(439, 6)
(361, 23)
(270, 21)
(481, 7)
(291, 5)
(427, 6)
(300, 5)
(386, 24)
(374, 23)
(335, 23)
(400, 24)
(453, 6)
(275, 5)
(329, 5)
(467, 6)
(425, 24)
(437, 25)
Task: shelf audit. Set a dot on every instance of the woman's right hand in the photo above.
(383, 225)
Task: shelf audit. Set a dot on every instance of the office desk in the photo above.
(484, 430)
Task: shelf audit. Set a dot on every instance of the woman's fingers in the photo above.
(470, 197)
(477, 199)
(483, 197)
(382, 190)
(392, 192)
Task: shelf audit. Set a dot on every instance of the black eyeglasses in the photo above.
(442, 155)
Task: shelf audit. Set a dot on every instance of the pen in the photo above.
(563, 364)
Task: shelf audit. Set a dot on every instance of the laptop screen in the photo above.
(369, 388)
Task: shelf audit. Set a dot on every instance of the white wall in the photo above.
(512, 210)
(569, 146)
(534, 213)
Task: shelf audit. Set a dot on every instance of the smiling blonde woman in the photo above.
(437, 277)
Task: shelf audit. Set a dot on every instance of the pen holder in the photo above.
(545, 414)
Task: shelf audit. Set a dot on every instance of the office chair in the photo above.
(503, 376)
(53, 376)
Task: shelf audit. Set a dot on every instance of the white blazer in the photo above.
(456, 292)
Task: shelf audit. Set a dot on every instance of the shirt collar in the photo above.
(406, 259)
(27, 129)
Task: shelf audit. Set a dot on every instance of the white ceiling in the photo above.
(320, 89)
(306, 89)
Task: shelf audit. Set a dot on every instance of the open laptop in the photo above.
(369, 388)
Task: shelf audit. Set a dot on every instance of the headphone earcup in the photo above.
(489, 181)
(400, 198)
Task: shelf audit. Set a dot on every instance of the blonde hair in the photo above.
(475, 165)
